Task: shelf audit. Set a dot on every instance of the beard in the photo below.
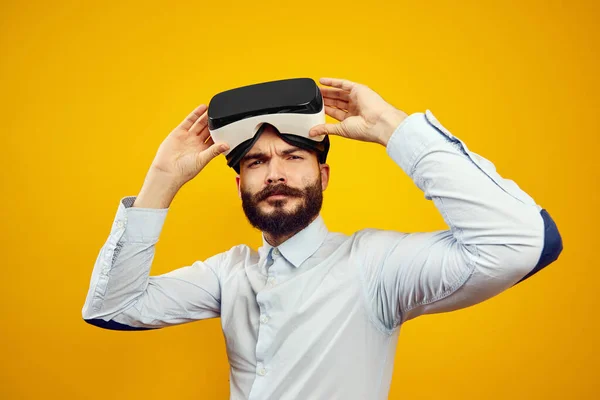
(280, 222)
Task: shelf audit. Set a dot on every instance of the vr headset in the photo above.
(293, 106)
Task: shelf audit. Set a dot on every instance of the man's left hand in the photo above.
(363, 114)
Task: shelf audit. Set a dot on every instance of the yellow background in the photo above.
(89, 91)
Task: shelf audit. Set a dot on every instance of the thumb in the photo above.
(327, 129)
(213, 151)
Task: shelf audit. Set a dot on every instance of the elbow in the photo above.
(110, 324)
(113, 325)
(552, 246)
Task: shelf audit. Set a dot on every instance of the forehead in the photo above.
(269, 138)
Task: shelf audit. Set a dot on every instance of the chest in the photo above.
(280, 304)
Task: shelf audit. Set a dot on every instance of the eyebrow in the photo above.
(260, 155)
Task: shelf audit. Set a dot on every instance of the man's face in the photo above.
(280, 185)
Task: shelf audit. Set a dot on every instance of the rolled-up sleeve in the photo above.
(497, 233)
(123, 296)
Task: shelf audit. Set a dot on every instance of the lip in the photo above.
(277, 196)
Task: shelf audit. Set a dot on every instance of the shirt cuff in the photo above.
(136, 224)
(412, 137)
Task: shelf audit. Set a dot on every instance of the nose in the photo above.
(276, 172)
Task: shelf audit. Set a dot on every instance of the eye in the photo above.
(295, 157)
(254, 163)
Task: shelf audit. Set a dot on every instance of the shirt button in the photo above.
(260, 369)
(271, 281)
(120, 224)
(264, 319)
(276, 251)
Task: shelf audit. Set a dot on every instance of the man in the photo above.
(315, 314)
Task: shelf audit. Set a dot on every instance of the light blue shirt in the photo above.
(318, 317)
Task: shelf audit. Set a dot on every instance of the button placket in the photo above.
(272, 269)
(264, 338)
(262, 298)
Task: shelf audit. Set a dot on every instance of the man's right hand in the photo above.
(186, 150)
(180, 157)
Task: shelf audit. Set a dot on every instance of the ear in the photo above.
(237, 182)
(324, 175)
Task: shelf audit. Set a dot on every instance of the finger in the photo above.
(200, 124)
(326, 129)
(338, 114)
(338, 83)
(194, 115)
(342, 105)
(204, 134)
(334, 93)
(205, 156)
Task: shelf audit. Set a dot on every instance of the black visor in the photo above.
(298, 96)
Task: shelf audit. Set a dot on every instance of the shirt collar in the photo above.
(300, 246)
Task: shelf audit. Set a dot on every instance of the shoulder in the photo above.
(237, 253)
(363, 244)
(373, 244)
(235, 257)
(374, 236)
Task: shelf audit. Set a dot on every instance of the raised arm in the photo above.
(498, 235)
(122, 295)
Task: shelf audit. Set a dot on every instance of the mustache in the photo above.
(279, 189)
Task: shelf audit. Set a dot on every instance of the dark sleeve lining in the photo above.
(553, 245)
(115, 326)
